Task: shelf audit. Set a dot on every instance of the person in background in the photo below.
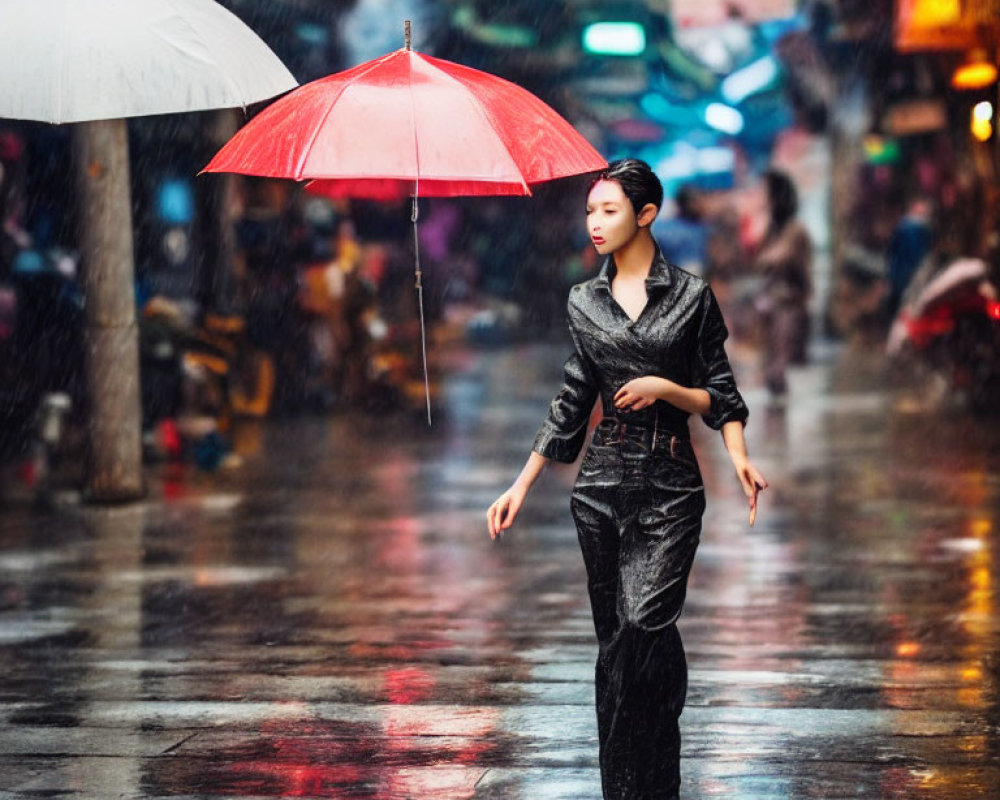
(784, 263)
(683, 238)
(911, 242)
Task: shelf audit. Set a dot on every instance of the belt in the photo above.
(648, 430)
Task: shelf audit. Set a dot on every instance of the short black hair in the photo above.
(781, 195)
(638, 182)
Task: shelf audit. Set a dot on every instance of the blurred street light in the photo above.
(977, 72)
(982, 121)
(723, 118)
(614, 38)
(755, 77)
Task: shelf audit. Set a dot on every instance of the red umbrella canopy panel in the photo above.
(411, 117)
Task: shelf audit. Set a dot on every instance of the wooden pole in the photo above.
(114, 426)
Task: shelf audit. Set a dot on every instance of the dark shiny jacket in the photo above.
(679, 335)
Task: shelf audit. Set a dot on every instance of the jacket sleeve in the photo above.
(564, 429)
(712, 371)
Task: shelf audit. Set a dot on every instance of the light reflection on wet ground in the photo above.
(333, 621)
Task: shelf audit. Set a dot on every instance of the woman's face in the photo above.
(611, 221)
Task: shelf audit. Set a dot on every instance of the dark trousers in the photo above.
(637, 504)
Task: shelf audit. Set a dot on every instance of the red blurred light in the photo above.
(408, 685)
(993, 309)
(937, 321)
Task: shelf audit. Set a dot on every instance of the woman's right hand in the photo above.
(501, 515)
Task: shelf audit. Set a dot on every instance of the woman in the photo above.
(785, 265)
(649, 341)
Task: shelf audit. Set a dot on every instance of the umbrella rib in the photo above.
(204, 59)
(207, 58)
(307, 150)
(413, 127)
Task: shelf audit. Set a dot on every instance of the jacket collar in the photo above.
(660, 275)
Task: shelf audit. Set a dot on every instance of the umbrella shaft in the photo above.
(418, 275)
(423, 350)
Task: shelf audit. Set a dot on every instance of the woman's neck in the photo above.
(634, 259)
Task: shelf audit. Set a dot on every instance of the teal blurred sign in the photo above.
(614, 38)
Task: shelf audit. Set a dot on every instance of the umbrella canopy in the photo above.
(410, 123)
(72, 61)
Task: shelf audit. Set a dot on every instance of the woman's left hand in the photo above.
(753, 483)
(640, 393)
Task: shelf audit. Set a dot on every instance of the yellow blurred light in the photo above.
(981, 129)
(972, 674)
(931, 13)
(978, 745)
(971, 697)
(981, 578)
(976, 73)
(907, 649)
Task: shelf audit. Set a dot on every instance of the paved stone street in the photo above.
(331, 619)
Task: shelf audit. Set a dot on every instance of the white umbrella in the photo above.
(95, 62)
(76, 60)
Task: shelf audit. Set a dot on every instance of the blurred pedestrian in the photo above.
(649, 341)
(725, 256)
(784, 264)
(683, 237)
(728, 271)
(910, 244)
(357, 307)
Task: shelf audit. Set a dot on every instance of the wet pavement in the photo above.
(332, 620)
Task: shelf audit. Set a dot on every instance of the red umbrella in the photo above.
(411, 118)
(409, 124)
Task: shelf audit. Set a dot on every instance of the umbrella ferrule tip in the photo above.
(407, 35)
